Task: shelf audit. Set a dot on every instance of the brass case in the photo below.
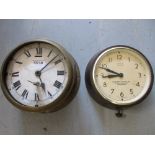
(68, 93)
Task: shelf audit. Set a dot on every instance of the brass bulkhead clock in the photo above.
(119, 77)
(40, 76)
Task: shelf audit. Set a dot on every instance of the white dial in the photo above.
(40, 76)
(37, 74)
(122, 75)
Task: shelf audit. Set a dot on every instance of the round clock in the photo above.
(39, 76)
(119, 77)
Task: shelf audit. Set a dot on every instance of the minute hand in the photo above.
(48, 63)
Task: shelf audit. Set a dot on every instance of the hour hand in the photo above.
(43, 86)
(110, 71)
(112, 76)
(34, 83)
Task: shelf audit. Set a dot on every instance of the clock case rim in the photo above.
(69, 92)
(93, 92)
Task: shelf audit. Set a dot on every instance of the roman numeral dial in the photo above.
(25, 93)
(17, 85)
(30, 78)
(60, 72)
(27, 53)
(15, 74)
(39, 75)
(57, 84)
(36, 97)
(38, 52)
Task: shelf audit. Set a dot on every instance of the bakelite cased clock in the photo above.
(119, 77)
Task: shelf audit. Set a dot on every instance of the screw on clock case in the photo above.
(68, 93)
(93, 92)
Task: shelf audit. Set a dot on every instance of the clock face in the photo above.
(122, 75)
(36, 74)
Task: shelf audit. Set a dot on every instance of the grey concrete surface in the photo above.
(82, 38)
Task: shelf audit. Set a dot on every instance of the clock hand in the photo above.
(48, 63)
(111, 76)
(38, 74)
(42, 84)
(34, 83)
(111, 71)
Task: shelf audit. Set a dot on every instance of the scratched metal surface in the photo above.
(82, 38)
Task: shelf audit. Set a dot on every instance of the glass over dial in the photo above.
(122, 75)
(36, 74)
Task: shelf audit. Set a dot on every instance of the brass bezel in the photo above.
(69, 91)
(89, 80)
